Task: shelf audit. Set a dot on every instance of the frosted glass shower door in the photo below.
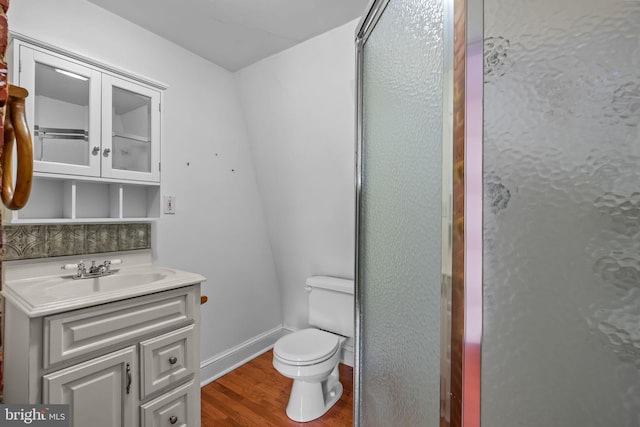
(400, 215)
(561, 330)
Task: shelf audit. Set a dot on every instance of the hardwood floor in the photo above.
(255, 394)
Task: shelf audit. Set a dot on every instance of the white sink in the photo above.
(120, 280)
(49, 294)
(68, 286)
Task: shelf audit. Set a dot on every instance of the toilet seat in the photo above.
(306, 347)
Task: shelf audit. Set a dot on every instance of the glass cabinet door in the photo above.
(131, 125)
(64, 113)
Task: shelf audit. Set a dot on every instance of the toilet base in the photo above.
(310, 400)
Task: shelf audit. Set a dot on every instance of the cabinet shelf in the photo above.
(22, 221)
(67, 177)
(58, 133)
(131, 137)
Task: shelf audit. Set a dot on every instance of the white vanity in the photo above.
(122, 349)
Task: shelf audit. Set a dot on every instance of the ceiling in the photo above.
(236, 33)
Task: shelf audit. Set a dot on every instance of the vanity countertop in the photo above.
(42, 288)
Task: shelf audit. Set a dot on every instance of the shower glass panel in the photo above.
(400, 223)
(561, 333)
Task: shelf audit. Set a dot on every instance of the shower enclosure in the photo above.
(561, 258)
(498, 264)
(404, 133)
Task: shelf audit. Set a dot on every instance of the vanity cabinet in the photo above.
(90, 123)
(125, 363)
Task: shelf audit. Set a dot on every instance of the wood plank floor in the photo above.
(255, 394)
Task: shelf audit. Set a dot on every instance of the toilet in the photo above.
(310, 356)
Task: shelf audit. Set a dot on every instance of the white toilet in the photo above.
(310, 356)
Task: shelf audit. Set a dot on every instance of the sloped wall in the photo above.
(300, 111)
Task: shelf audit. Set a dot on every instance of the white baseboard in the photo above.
(347, 356)
(225, 362)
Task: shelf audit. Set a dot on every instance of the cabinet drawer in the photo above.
(167, 359)
(85, 331)
(178, 408)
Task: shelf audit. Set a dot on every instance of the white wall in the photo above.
(299, 107)
(218, 230)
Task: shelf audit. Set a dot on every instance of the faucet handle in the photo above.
(109, 263)
(79, 267)
(73, 266)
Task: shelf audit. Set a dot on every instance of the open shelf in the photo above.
(56, 200)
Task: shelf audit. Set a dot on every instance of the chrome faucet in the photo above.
(82, 271)
(97, 269)
(93, 271)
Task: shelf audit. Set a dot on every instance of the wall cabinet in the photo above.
(86, 121)
(127, 363)
(90, 122)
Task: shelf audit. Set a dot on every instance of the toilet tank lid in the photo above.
(331, 283)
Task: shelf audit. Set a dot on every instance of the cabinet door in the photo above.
(63, 111)
(130, 130)
(101, 391)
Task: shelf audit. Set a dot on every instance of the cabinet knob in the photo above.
(173, 360)
(95, 150)
(106, 152)
(173, 419)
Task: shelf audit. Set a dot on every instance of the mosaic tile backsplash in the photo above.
(44, 241)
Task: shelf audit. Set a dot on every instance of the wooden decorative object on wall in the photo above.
(4, 93)
(458, 280)
(4, 70)
(16, 133)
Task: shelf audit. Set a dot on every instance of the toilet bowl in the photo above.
(310, 357)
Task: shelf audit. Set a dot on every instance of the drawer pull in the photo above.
(173, 419)
(128, 378)
(173, 360)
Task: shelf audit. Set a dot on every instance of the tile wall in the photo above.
(43, 241)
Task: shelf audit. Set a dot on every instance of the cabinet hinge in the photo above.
(19, 66)
(159, 166)
(160, 107)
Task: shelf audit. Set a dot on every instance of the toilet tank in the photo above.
(331, 304)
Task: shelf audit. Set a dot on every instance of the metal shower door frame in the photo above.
(466, 212)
